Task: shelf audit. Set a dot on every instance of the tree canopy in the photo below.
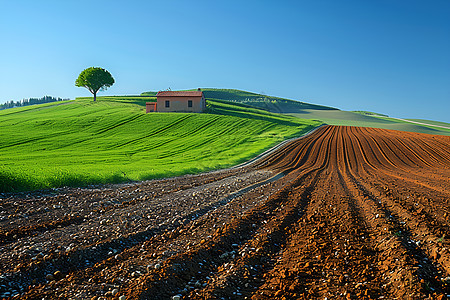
(95, 79)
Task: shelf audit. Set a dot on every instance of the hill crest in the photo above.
(269, 103)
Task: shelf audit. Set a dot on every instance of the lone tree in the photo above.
(95, 79)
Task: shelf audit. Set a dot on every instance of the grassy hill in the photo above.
(325, 114)
(79, 142)
(436, 123)
(434, 126)
(347, 118)
(269, 103)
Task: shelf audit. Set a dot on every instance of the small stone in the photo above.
(176, 297)
(435, 253)
(49, 277)
(123, 297)
(58, 275)
(157, 266)
(114, 292)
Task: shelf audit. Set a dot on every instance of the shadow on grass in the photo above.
(10, 183)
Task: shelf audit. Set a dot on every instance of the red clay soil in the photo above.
(354, 213)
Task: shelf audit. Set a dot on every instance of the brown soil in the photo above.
(344, 213)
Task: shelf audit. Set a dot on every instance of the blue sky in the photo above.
(387, 56)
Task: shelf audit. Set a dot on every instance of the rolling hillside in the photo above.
(431, 122)
(269, 103)
(80, 142)
(325, 114)
(347, 118)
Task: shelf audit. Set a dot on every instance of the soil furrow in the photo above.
(343, 213)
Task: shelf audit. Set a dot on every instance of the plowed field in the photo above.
(343, 213)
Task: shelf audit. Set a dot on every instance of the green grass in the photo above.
(77, 143)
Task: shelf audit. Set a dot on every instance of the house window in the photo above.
(189, 103)
(167, 103)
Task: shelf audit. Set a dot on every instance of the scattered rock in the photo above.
(50, 277)
(58, 275)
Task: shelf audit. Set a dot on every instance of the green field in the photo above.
(433, 127)
(81, 142)
(437, 123)
(347, 118)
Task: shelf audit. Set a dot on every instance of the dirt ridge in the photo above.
(354, 213)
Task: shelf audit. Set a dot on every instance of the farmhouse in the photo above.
(178, 101)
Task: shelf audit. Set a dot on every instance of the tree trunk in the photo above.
(95, 96)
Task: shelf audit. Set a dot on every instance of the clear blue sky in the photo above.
(388, 56)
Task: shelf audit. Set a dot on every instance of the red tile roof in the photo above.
(179, 94)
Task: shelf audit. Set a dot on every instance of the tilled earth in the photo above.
(343, 213)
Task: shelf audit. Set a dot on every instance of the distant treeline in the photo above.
(369, 113)
(31, 101)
